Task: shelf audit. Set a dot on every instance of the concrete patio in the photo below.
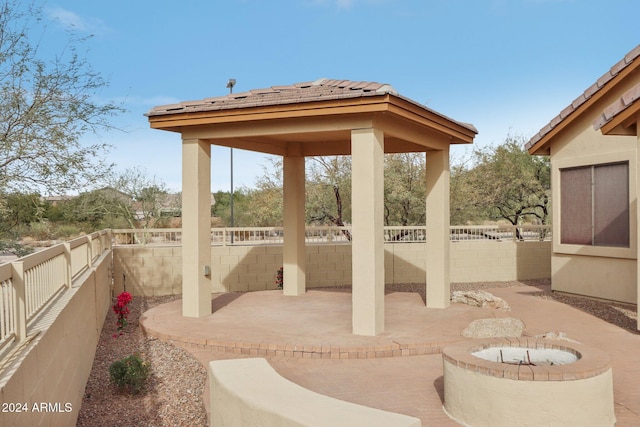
(308, 340)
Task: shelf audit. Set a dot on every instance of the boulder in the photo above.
(480, 299)
(494, 327)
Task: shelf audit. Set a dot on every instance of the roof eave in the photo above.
(370, 104)
(595, 92)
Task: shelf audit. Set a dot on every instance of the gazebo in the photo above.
(320, 118)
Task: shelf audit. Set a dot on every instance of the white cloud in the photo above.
(69, 19)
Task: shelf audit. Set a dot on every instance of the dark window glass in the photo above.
(594, 205)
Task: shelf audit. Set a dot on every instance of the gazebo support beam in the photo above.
(294, 255)
(438, 276)
(367, 193)
(196, 228)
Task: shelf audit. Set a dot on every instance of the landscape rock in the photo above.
(494, 327)
(480, 299)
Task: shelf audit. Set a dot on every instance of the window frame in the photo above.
(573, 160)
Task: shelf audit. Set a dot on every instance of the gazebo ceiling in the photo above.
(312, 119)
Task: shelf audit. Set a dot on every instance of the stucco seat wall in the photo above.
(249, 392)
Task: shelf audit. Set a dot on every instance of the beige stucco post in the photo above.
(294, 257)
(196, 228)
(438, 282)
(638, 216)
(367, 192)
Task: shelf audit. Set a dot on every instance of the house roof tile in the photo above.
(586, 95)
(621, 104)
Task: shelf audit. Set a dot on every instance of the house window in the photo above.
(594, 205)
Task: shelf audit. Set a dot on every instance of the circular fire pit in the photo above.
(527, 381)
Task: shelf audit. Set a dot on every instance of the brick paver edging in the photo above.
(304, 351)
(591, 361)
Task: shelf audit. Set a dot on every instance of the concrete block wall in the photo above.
(157, 270)
(487, 261)
(55, 367)
(148, 271)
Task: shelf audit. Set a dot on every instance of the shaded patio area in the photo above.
(308, 340)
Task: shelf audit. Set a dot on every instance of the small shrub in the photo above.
(66, 230)
(129, 374)
(41, 230)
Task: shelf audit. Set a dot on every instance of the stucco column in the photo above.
(294, 256)
(438, 274)
(637, 217)
(196, 228)
(367, 250)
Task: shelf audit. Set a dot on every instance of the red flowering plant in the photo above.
(122, 311)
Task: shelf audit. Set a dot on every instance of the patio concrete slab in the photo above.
(314, 325)
(413, 384)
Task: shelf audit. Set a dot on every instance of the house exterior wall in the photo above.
(601, 272)
(157, 271)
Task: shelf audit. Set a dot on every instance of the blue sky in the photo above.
(506, 66)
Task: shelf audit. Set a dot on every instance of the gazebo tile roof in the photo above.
(324, 89)
(586, 95)
(297, 93)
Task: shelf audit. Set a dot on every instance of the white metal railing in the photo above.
(501, 232)
(319, 235)
(28, 284)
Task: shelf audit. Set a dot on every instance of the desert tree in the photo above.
(508, 183)
(47, 105)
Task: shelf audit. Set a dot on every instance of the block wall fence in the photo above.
(157, 270)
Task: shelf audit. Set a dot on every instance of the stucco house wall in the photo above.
(571, 140)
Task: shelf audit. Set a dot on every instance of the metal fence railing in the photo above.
(321, 235)
(501, 232)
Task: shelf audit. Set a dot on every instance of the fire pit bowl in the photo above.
(527, 381)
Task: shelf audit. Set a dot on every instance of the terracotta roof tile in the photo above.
(625, 101)
(587, 94)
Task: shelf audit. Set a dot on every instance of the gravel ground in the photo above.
(173, 396)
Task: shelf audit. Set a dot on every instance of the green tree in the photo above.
(21, 209)
(404, 189)
(243, 215)
(46, 106)
(508, 183)
(132, 199)
(265, 201)
(329, 190)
